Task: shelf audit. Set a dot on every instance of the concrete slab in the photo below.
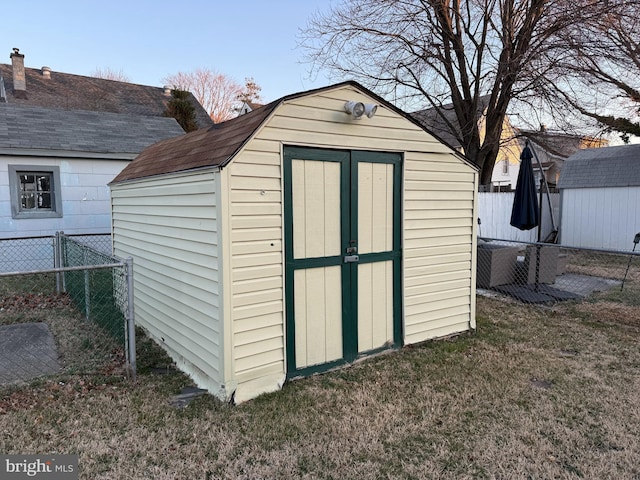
(27, 351)
(584, 285)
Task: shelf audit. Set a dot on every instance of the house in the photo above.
(599, 198)
(46, 88)
(443, 123)
(553, 148)
(55, 166)
(63, 137)
(320, 228)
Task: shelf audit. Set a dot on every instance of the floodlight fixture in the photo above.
(358, 109)
(355, 109)
(370, 109)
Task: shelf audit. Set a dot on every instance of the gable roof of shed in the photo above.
(48, 130)
(216, 146)
(66, 91)
(602, 167)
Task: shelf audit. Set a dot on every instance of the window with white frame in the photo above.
(35, 191)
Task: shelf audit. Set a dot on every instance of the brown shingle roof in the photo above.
(75, 92)
(214, 146)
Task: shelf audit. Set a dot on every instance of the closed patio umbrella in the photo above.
(525, 213)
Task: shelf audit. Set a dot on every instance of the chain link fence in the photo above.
(65, 308)
(540, 273)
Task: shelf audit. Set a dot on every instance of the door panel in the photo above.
(375, 207)
(375, 305)
(318, 321)
(316, 208)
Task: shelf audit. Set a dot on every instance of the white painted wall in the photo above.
(605, 218)
(86, 205)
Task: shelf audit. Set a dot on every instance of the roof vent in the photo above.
(46, 72)
(167, 90)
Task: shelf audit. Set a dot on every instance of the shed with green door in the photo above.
(323, 227)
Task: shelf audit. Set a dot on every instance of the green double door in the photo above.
(342, 256)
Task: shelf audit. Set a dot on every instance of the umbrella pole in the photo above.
(543, 180)
(536, 285)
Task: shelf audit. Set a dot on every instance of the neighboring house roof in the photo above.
(35, 128)
(50, 89)
(218, 145)
(443, 122)
(558, 144)
(602, 167)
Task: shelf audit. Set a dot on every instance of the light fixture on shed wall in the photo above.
(358, 109)
(370, 109)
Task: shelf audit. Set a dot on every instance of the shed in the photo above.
(599, 198)
(297, 238)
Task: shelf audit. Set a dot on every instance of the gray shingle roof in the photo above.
(26, 127)
(602, 167)
(76, 92)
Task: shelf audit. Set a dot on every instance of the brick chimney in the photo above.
(19, 79)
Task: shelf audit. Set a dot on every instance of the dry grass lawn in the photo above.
(534, 393)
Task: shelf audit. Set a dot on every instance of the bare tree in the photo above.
(599, 74)
(458, 52)
(111, 74)
(216, 92)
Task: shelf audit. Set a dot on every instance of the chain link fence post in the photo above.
(131, 329)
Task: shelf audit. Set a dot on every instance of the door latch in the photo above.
(351, 258)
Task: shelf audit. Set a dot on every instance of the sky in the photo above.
(149, 40)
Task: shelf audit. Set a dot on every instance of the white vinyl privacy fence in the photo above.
(494, 214)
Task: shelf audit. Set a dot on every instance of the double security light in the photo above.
(358, 109)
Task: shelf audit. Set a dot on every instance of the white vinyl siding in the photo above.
(605, 218)
(169, 226)
(438, 208)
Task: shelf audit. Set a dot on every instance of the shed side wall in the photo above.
(605, 218)
(438, 209)
(170, 228)
(439, 195)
